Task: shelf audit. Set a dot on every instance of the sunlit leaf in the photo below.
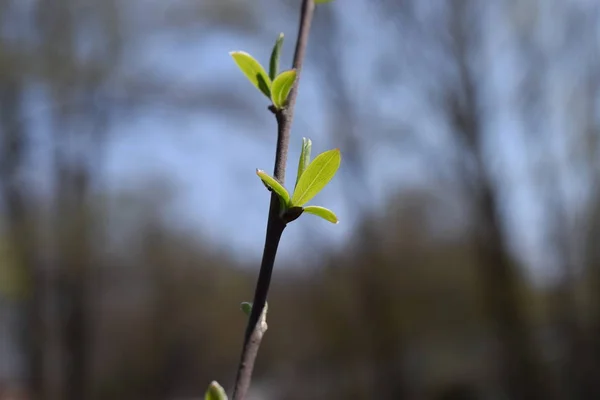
(255, 73)
(215, 392)
(322, 212)
(281, 87)
(316, 176)
(304, 158)
(275, 186)
(275, 55)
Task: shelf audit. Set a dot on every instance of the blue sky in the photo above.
(211, 156)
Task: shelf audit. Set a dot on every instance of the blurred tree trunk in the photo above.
(578, 366)
(577, 370)
(386, 345)
(592, 233)
(593, 272)
(75, 313)
(519, 362)
(79, 122)
(591, 140)
(379, 313)
(14, 142)
(163, 312)
(76, 222)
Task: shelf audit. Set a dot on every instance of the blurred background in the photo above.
(466, 264)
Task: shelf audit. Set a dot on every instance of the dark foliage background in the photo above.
(466, 265)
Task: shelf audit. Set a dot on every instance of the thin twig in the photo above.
(275, 224)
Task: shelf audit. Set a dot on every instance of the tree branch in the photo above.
(275, 224)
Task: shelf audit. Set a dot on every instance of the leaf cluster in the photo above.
(312, 176)
(311, 179)
(276, 86)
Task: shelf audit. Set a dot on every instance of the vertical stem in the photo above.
(257, 322)
(275, 225)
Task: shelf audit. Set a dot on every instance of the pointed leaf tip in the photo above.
(275, 55)
(255, 72)
(304, 158)
(322, 212)
(316, 176)
(275, 186)
(215, 392)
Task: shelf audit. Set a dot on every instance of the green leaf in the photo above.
(275, 186)
(304, 158)
(246, 308)
(322, 212)
(316, 176)
(255, 73)
(322, 1)
(281, 87)
(215, 392)
(275, 54)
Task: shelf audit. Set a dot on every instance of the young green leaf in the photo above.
(322, 212)
(255, 73)
(281, 87)
(304, 158)
(316, 176)
(275, 186)
(215, 392)
(275, 54)
(246, 308)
